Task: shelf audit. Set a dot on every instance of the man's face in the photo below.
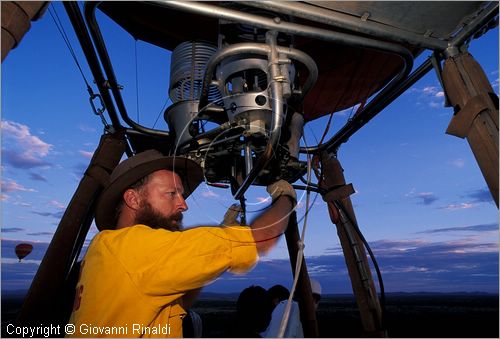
(162, 202)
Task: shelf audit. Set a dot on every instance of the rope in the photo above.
(300, 255)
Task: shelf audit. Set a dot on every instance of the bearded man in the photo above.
(142, 269)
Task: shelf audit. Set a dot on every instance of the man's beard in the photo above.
(148, 216)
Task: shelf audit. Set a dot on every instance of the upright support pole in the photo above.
(476, 113)
(43, 304)
(333, 182)
(16, 21)
(304, 292)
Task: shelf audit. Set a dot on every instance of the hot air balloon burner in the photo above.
(243, 84)
(240, 91)
(187, 68)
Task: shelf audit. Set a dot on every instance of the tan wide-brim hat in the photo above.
(136, 167)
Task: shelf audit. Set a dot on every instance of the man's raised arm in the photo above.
(267, 228)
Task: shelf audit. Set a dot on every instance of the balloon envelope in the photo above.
(23, 250)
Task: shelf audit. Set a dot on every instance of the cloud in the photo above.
(86, 154)
(85, 128)
(12, 186)
(7, 261)
(459, 163)
(209, 194)
(411, 265)
(40, 233)
(477, 197)
(24, 204)
(425, 248)
(470, 228)
(23, 160)
(57, 215)
(408, 265)
(430, 90)
(426, 198)
(12, 229)
(4, 197)
(454, 207)
(23, 150)
(37, 177)
(480, 195)
(432, 95)
(57, 204)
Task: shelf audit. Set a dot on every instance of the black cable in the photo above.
(340, 206)
(60, 28)
(308, 183)
(161, 111)
(136, 82)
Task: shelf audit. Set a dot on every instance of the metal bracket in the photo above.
(99, 111)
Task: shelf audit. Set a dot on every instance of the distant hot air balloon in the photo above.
(23, 250)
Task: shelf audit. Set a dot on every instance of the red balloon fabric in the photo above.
(22, 250)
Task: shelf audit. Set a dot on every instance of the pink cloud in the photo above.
(86, 154)
(12, 186)
(461, 206)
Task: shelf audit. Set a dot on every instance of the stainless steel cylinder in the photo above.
(187, 68)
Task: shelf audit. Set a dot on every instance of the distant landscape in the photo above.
(408, 315)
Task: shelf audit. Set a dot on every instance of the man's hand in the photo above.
(281, 187)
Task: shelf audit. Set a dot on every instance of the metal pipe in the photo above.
(370, 111)
(108, 68)
(348, 22)
(285, 27)
(248, 157)
(76, 19)
(489, 13)
(277, 118)
(255, 48)
(307, 61)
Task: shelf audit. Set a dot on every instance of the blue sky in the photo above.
(420, 198)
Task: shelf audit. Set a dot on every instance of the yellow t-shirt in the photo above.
(132, 279)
